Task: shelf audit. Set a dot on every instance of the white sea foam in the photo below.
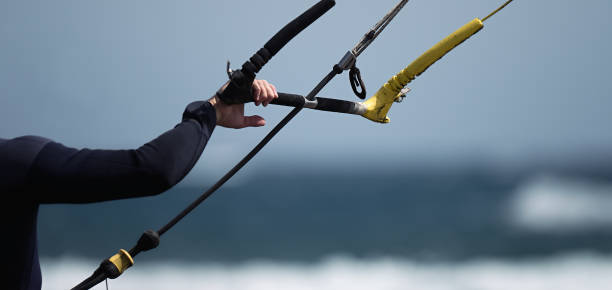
(555, 204)
(577, 271)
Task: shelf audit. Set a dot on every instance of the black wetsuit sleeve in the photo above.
(61, 174)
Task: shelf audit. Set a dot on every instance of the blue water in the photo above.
(457, 214)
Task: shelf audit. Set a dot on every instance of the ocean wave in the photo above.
(570, 271)
(554, 204)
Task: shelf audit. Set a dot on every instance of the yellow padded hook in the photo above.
(379, 104)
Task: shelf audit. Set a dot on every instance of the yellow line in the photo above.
(500, 8)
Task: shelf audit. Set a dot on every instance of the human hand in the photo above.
(232, 116)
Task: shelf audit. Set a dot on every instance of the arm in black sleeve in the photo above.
(67, 175)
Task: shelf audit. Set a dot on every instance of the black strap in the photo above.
(357, 82)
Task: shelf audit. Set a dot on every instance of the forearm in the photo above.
(62, 174)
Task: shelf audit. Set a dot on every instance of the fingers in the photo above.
(253, 121)
(272, 94)
(263, 92)
(257, 90)
(233, 115)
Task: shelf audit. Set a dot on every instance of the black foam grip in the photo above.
(335, 105)
(297, 25)
(90, 282)
(282, 37)
(290, 100)
(323, 104)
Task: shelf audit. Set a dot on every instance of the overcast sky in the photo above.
(114, 74)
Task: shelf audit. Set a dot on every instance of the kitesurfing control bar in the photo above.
(290, 98)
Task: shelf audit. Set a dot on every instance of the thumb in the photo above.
(253, 121)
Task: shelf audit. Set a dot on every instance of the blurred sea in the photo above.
(462, 227)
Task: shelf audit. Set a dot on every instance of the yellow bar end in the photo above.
(122, 260)
(379, 104)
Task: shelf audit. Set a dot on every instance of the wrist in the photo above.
(214, 101)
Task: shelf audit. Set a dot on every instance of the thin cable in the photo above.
(246, 159)
(367, 39)
(230, 173)
(497, 10)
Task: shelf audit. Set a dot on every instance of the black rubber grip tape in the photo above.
(323, 104)
(335, 105)
(297, 25)
(290, 100)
